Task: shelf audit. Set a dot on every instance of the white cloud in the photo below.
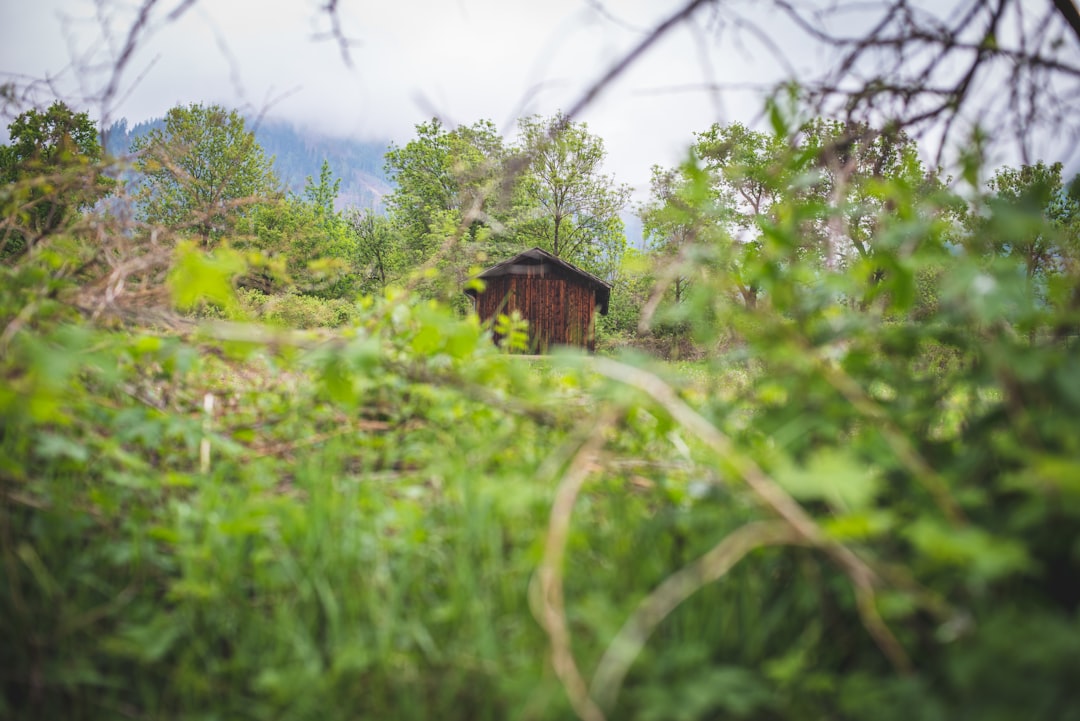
(462, 59)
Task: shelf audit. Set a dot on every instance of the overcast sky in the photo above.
(462, 60)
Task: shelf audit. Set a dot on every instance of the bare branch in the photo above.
(552, 611)
(633, 55)
(336, 33)
(1067, 9)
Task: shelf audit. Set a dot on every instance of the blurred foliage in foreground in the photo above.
(865, 507)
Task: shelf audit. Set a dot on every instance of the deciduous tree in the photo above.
(446, 177)
(202, 171)
(378, 255)
(51, 170)
(1028, 192)
(671, 224)
(311, 238)
(574, 206)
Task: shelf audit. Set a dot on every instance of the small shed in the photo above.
(557, 298)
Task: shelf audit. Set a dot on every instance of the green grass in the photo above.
(372, 557)
(365, 536)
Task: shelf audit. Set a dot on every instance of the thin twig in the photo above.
(550, 575)
(627, 60)
(676, 588)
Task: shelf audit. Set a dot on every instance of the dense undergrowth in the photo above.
(862, 501)
(355, 525)
(352, 525)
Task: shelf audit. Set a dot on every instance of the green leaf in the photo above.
(199, 276)
(427, 340)
(51, 445)
(148, 642)
(985, 556)
(834, 476)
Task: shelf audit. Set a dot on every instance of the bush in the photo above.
(294, 310)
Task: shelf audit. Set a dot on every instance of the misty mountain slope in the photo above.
(299, 154)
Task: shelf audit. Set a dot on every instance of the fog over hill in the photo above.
(298, 154)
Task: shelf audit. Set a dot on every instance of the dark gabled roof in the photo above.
(520, 265)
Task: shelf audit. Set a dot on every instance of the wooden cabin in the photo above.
(557, 298)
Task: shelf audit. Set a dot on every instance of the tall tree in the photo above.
(748, 168)
(670, 224)
(201, 171)
(851, 161)
(834, 163)
(378, 252)
(310, 238)
(51, 168)
(323, 194)
(1024, 194)
(574, 206)
(445, 177)
(741, 183)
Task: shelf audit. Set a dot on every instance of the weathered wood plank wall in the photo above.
(559, 310)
